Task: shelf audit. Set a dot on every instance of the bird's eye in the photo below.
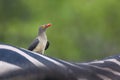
(43, 26)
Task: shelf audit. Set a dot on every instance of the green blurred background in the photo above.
(82, 30)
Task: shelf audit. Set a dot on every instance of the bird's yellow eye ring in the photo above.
(43, 26)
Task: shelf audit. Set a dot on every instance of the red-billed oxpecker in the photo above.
(40, 44)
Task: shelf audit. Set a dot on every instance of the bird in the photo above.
(40, 43)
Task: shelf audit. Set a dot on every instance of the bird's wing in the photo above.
(33, 45)
(47, 45)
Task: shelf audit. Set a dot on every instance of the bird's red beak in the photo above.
(48, 25)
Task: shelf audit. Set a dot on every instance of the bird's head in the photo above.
(44, 27)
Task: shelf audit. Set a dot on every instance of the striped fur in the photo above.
(22, 64)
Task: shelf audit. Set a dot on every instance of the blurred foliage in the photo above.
(82, 30)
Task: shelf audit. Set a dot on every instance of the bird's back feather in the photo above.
(34, 44)
(47, 45)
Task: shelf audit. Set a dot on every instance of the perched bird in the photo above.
(40, 44)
